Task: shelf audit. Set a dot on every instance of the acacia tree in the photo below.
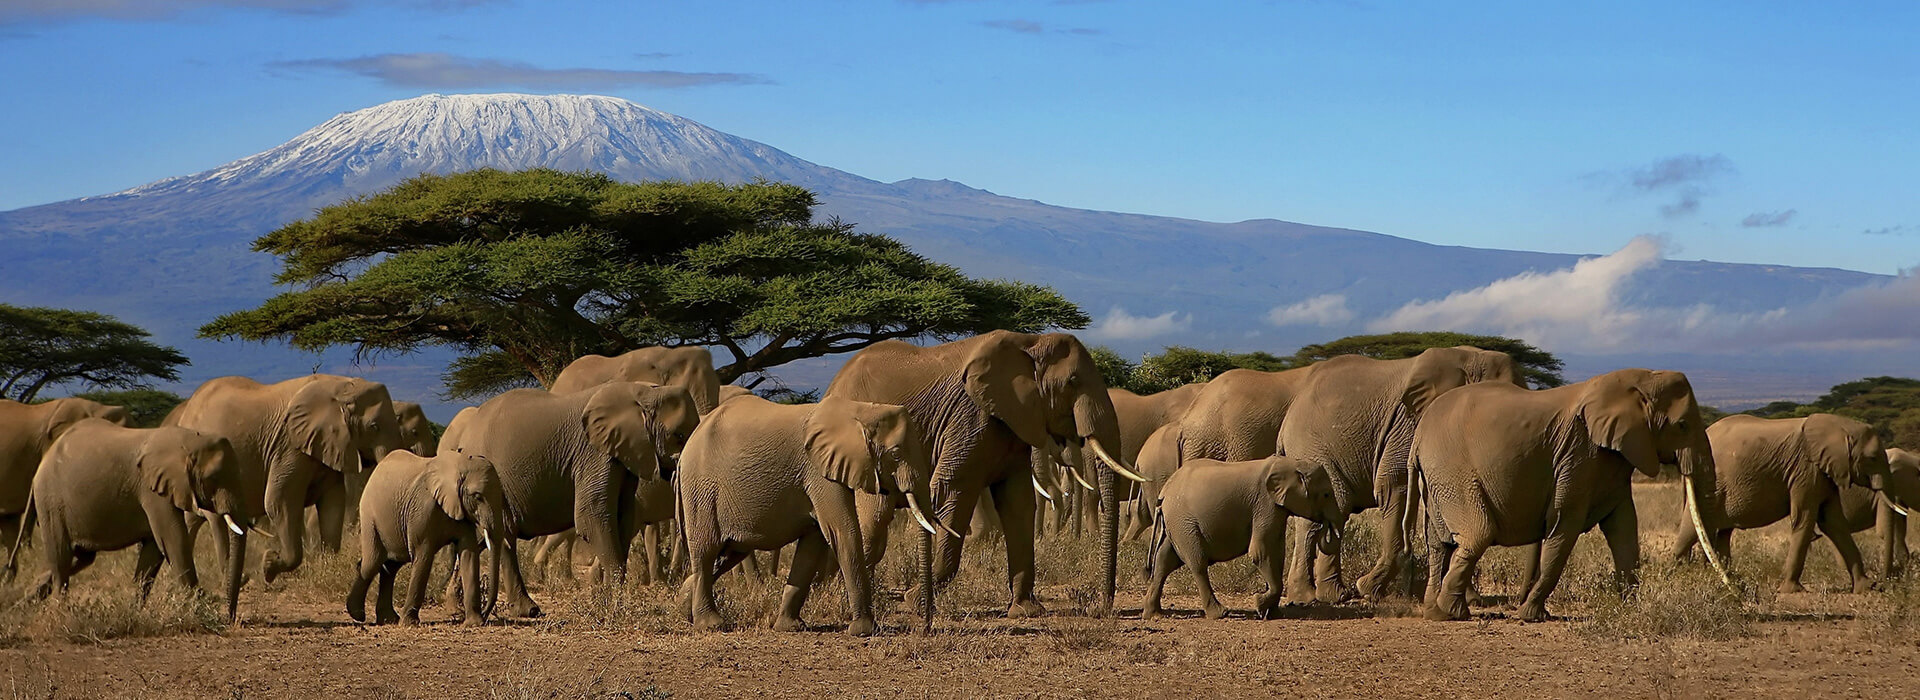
(42, 347)
(1541, 368)
(521, 272)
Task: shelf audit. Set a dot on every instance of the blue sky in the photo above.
(1771, 132)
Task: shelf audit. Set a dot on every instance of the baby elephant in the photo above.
(415, 505)
(103, 487)
(1212, 511)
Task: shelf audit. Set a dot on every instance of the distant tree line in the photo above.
(1890, 404)
(1180, 365)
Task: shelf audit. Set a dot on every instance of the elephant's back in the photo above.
(88, 481)
(745, 470)
(533, 438)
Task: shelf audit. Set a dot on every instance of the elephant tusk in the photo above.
(1115, 464)
(1079, 478)
(1041, 489)
(1895, 506)
(262, 533)
(231, 525)
(486, 540)
(913, 504)
(1700, 530)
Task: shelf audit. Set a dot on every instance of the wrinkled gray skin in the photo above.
(574, 460)
(759, 475)
(104, 487)
(26, 431)
(1139, 417)
(1212, 511)
(1796, 468)
(1503, 466)
(984, 404)
(689, 368)
(416, 436)
(1865, 509)
(416, 505)
(296, 440)
(1355, 417)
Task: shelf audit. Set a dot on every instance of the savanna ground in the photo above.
(1681, 635)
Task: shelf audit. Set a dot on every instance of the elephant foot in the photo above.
(1373, 587)
(473, 620)
(1335, 594)
(784, 623)
(1026, 608)
(1534, 612)
(1151, 612)
(862, 627)
(1865, 585)
(1268, 607)
(1214, 611)
(1790, 587)
(386, 617)
(410, 619)
(709, 621)
(1448, 609)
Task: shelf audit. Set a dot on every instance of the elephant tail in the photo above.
(27, 519)
(1410, 519)
(1159, 538)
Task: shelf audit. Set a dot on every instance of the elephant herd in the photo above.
(1451, 446)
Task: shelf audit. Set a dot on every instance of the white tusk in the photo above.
(1041, 489)
(1081, 479)
(231, 525)
(486, 540)
(1895, 506)
(913, 504)
(1700, 530)
(1114, 463)
(264, 533)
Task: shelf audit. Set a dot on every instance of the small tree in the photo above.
(1179, 365)
(1541, 368)
(42, 347)
(1890, 404)
(145, 407)
(522, 272)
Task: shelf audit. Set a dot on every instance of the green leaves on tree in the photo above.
(42, 347)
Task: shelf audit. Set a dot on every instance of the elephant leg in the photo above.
(9, 532)
(600, 528)
(1165, 561)
(57, 549)
(1015, 497)
(563, 553)
(372, 556)
(1723, 545)
(519, 604)
(330, 505)
(383, 613)
(1833, 524)
(1449, 602)
(286, 507)
(1300, 588)
(876, 515)
(956, 510)
(1270, 557)
(1685, 538)
(840, 526)
(1530, 567)
(1329, 580)
(1622, 530)
(1554, 552)
(146, 567)
(1139, 519)
(425, 552)
(470, 603)
(1893, 527)
(1804, 520)
(1393, 545)
(1210, 605)
(651, 541)
(806, 560)
(175, 545)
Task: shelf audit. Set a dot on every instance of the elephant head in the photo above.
(64, 413)
(318, 425)
(371, 420)
(197, 472)
(1650, 418)
(467, 488)
(691, 369)
(874, 448)
(1305, 489)
(1845, 450)
(416, 432)
(1903, 480)
(1439, 370)
(1048, 391)
(643, 426)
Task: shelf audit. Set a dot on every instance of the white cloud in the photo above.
(1572, 307)
(1120, 325)
(1323, 310)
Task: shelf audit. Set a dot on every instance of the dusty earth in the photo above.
(295, 640)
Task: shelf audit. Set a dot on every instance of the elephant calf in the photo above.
(1212, 511)
(758, 475)
(104, 487)
(412, 507)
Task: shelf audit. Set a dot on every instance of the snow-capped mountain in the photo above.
(173, 254)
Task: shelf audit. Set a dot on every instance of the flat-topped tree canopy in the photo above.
(524, 271)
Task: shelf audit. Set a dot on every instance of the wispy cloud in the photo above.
(148, 10)
(446, 71)
(1686, 178)
(1120, 325)
(1027, 26)
(654, 55)
(1901, 230)
(1581, 309)
(1323, 310)
(1768, 219)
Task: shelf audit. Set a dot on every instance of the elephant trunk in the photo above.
(236, 563)
(502, 547)
(1100, 430)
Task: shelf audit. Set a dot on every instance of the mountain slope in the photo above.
(174, 253)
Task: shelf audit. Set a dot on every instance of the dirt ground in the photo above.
(295, 640)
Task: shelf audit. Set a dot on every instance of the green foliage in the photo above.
(145, 407)
(522, 272)
(1890, 404)
(42, 347)
(1540, 367)
(1115, 369)
(1178, 365)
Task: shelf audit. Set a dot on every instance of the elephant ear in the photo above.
(317, 424)
(1436, 371)
(1284, 483)
(1827, 443)
(840, 446)
(1615, 413)
(617, 424)
(65, 413)
(1000, 376)
(443, 481)
(167, 470)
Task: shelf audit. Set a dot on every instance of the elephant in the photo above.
(729, 391)
(104, 487)
(759, 475)
(1887, 510)
(414, 505)
(568, 460)
(1139, 417)
(1356, 416)
(416, 431)
(690, 368)
(1237, 416)
(983, 404)
(1213, 511)
(1795, 468)
(26, 431)
(653, 509)
(1503, 466)
(296, 439)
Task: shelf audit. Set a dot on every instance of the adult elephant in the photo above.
(1795, 468)
(1139, 417)
(416, 431)
(984, 404)
(574, 460)
(1237, 416)
(690, 368)
(1503, 466)
(1887, 511)
(295, 441)
(1355, 417)
(26, 431)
